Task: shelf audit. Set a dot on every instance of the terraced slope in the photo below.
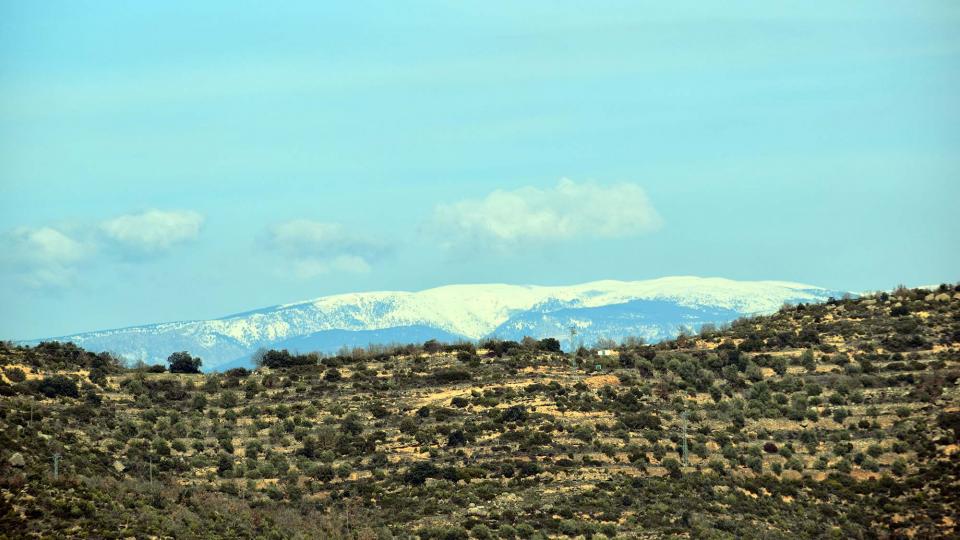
(833, 420)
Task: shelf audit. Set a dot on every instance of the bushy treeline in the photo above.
(465, 350)
(53, 355)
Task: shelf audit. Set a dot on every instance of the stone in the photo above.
(17, 460)
(942, 297)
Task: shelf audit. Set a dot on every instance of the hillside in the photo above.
(839, 419)
(657, 309)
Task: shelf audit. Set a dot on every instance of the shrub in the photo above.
(950, 421)
(16, 375)
(717, 465)
(451, 375)
(584, 433)
(673, 467)
(408, 426)
(352, 424)
(456, 438)
(55, 386)
(224, 464)
(379, 411)
(418, 473)
(98, 377)
(515, 413)
(638, 421)
(229, 399)
(323, 473)
(481, 532)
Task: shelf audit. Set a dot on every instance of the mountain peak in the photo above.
(466, 311)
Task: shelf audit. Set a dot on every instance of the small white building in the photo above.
(608, 352)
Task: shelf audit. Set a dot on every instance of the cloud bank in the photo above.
(315, 248)
(154, 231)
(42, 257)
(512, 219)
(49, 257)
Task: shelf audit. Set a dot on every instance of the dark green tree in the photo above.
(183, 362)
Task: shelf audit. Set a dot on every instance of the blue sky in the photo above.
(180, 160)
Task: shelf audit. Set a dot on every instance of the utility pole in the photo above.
(686, 458)
(573, 347)
(56, 466)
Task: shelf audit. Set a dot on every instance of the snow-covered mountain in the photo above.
(655, 309)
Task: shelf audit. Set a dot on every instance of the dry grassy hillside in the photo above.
(836, 420)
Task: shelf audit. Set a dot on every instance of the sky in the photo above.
(187, 160)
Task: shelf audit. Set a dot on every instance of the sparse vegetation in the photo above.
(832, 420)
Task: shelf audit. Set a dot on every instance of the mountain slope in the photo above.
(831, 420)
(471, 311)
(653, 320)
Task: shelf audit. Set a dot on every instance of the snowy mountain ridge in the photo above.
(469, 311)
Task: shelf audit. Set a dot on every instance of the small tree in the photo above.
(549, 345)
(432, 346)
(808, 361)
(183, 362)
(673, 467)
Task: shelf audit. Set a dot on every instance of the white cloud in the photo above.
(43, 257)
(510, 219)
(50, 256)
(306, 268)
(315, 248)
(153, 231)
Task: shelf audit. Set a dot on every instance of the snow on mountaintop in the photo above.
(475, 310)
(472, 311)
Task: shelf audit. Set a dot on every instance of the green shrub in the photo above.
(673, 467)
(54, 386)
(15, 375)
(451, 375)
